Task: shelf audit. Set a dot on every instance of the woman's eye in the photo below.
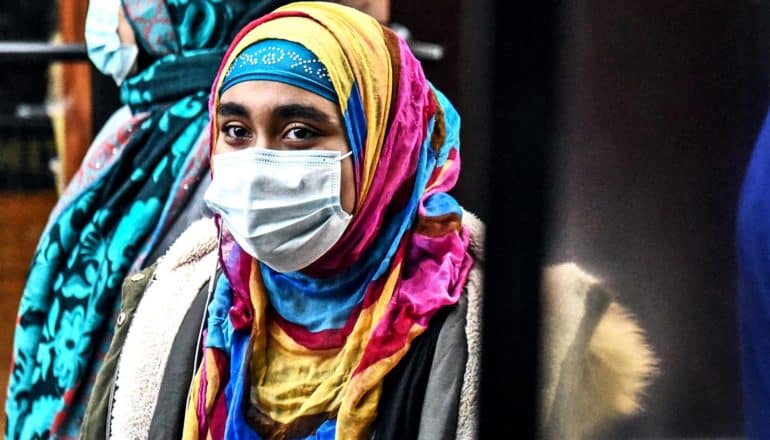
(300, 133)
(236, 131)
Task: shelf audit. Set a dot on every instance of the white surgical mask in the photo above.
(109, 55)
(282, 207)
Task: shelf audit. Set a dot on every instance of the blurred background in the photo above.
(657, 107)
(661, 105)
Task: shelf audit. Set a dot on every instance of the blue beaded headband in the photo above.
(283, 61)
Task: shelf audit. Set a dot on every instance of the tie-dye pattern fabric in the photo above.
(304, 354)
(124, 197)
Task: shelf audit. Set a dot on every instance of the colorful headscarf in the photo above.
(305, 353)
(122, 201)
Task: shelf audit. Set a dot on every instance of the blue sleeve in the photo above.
(753, 252)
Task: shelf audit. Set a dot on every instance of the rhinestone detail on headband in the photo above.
(271, 55)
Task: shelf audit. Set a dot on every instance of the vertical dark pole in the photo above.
(106, 98)
(523, 60)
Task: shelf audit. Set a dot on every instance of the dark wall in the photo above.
(658, 106)
(661, 102)
(29, 20)
(461, 28)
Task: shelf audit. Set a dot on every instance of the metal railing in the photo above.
(16, 51)
(27, 139)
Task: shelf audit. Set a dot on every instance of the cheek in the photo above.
(221, 147)
(348, 186)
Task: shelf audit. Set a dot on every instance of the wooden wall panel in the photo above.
(19, 233)
(76, 89)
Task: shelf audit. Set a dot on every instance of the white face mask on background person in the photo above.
(281, 207)
(108, 54)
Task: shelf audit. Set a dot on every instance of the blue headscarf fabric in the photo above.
(282, 61)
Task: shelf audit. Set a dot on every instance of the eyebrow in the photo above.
(291, 111)
(232, 109)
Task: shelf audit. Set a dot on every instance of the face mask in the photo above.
(106, 51)
(282, 207)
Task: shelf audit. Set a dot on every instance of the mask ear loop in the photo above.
(204, 318)
(345, 156)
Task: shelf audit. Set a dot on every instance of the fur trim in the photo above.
(621, 364)
(596, 361)
(571, 310)
(180, 274)
(468, 416)
(477, 231)
(199, 239)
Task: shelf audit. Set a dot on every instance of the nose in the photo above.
(262, 142)
(264, 136)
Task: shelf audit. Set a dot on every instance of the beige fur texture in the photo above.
(596, 362)
(621, 365)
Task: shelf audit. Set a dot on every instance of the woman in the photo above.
(332, 159)
(340, 281)
(332, 156)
